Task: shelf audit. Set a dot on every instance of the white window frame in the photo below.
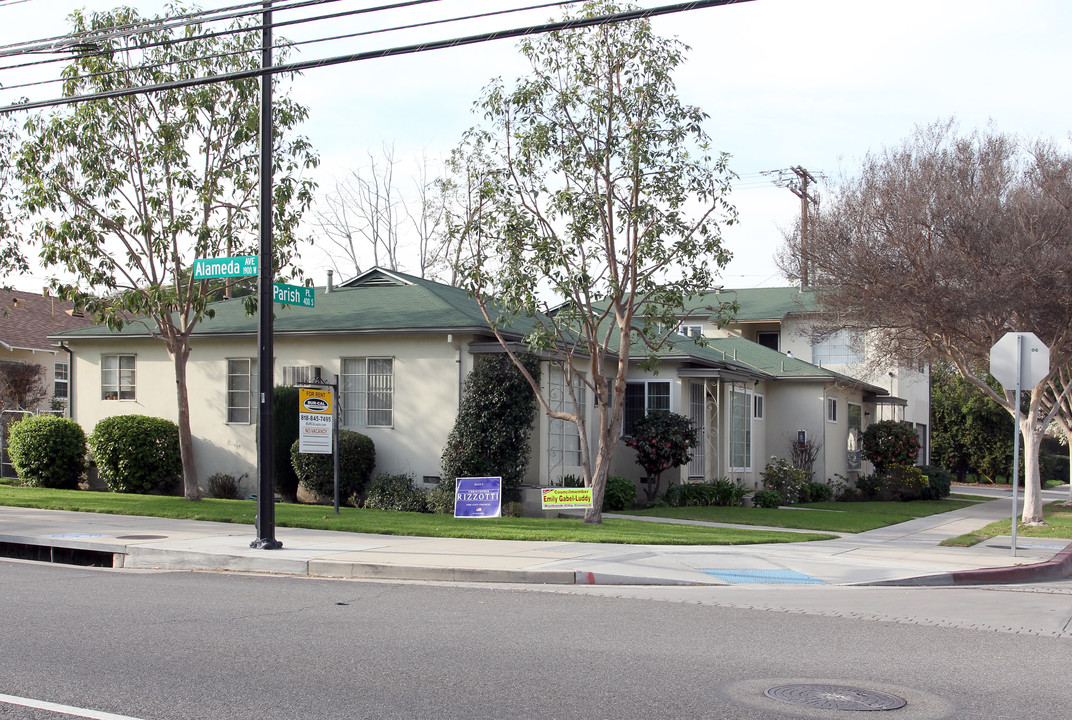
(563, 436)
(831, 410)
(692, 330)
(61, 375)
(747, 438)
(757, 406)
(234, 408)
(116, 386)
(843, 347)
(357, 388)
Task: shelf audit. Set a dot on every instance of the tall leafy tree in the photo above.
(944, 244)
(970, 433)
(12, 258)
(127, 192)
(598, 210)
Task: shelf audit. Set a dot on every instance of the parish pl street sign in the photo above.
(239, 266)
(293, 294)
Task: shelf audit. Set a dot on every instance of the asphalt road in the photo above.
(168, 645)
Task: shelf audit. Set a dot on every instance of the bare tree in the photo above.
(362, 216)
(22, 386)
(945, 243)
(425, 213)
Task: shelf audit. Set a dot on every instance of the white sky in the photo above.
(817, 83)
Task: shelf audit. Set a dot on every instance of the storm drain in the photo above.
(768, 577)
(60, 555)
(141, 537)
(835, 697)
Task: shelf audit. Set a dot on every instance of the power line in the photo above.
(570, 24)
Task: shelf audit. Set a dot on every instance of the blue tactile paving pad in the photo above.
(770, 577)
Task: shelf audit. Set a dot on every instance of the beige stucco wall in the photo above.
(426, 389)
(47, 359)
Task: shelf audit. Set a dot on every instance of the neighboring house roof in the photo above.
(759, 304)
(28, 319)
(783, 367)
(374, 302)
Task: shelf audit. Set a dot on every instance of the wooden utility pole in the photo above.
(799, 187)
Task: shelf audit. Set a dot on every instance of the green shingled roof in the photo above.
(758, 304)
(377, 301)
(779, 365)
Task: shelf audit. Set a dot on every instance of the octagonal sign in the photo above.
(1034, 360)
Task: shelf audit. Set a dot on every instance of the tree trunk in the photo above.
(191, 488)
(608, 442)
(1068, 444)
(1032, 477)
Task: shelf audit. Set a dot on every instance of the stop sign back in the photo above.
(1034, 360)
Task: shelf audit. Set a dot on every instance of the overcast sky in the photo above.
(816, 83)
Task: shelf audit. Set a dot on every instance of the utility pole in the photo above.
(799, 187)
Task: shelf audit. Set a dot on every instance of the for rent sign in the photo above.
(315, 421)
(478, 497)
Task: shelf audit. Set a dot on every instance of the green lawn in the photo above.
(395, 523)
(1058, 519)
(832, 516)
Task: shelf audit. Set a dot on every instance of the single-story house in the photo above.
(401, 348)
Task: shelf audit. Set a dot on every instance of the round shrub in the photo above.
(48, 451)
(767, 499)
(905, 482)
(816, 492)
(662, 440)
(787, 480)
(316, 473)
(225, 486)
(396, 492)
(619, 494)
(940, 482)
(890, 442)
(137, 454)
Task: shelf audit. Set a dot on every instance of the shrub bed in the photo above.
(137, 453)
(48, 451)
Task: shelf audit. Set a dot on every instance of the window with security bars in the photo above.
(118, 375)
(640, 397)
(564, 439)
(740, 431)
(300, 374)
(241, 390)
(366, 392)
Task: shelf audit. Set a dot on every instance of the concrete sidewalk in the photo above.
(905, 554)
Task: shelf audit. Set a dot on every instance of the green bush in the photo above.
(816, 492)
(767, 499)
(490, 437)
(619, 494)
(905, 482)
(48, 451)
(441, 497)
(940, 482)
(357, 458)
(572, 481)
(720, 491)
(787, 480)
(870, 486)
(888, 443)
(285, 433)
(396, 492)
(225, 486)
(137, 453)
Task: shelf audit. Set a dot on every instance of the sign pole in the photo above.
(1016, 436)
(266, 295)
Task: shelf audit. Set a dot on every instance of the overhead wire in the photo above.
(297, 66)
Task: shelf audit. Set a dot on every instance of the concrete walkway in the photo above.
(905, 554)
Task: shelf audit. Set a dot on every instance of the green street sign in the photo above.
(293, 294)
(240, 266)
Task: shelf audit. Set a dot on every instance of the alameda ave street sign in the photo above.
(239, 266)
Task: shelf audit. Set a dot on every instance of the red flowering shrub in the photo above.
(662, 440)
(890, 443)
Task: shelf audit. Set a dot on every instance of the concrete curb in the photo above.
(1059, 567)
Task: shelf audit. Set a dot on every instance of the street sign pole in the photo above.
(266, 295)
(1016, 436)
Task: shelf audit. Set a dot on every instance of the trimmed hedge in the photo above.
(397, 492)
(316, 473)
(48, 451)
(137, 453)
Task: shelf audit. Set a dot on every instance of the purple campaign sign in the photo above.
(478, 497)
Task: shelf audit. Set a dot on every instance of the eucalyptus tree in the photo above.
(596, 210)
(945, 243)
(126, 192)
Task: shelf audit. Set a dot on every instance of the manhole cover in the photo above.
(835, 697)
(141, 537)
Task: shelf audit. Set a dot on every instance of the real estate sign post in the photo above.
(317, 428)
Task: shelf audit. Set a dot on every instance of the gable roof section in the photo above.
(375, 302)
(759, 304)
(28, 319)
(783, 367)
